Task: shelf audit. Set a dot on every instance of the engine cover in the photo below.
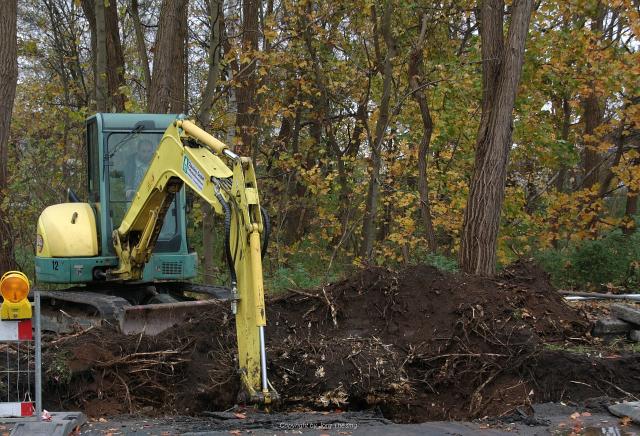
(67, 230)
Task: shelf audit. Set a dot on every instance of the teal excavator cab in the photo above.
(117, 146)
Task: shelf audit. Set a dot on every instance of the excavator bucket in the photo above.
(152, 319)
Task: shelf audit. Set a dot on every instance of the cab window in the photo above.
(129, 158)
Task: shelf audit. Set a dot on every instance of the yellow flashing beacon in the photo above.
(14, 287)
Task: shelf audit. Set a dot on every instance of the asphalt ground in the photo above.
(547, 419)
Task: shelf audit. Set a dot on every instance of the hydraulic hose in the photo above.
(227, 234)
(267, 230)
(227, 237)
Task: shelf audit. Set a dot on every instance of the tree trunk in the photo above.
(102, 97)
(204, 117)
(592, 117)
(167, 81)
(416, 76)
(631, 206)
(565, 127)
(215, 13)
(114, 71)
(608, 172)
(502, 67)
(141, 48)
(230, 72)
(247, 118)
(324, 122)
(115, 58)
(8, 81)
(89, 10)
(368, 224)
(631, 209)
(347, 207)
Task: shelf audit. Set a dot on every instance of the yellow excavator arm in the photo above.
(187, 155)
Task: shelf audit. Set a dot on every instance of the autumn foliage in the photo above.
(318, 83)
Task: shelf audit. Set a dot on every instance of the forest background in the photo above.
(458, 133)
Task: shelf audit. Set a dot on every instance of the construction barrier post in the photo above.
(20, 370)
(38, 353)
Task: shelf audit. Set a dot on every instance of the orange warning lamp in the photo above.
(14, 287)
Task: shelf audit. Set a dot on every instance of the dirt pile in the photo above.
(419, 343)
(185, 369)
(424, 305)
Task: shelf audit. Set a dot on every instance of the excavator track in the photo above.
(67, 311)
(74, 309)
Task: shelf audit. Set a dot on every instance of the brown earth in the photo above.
(420, 344)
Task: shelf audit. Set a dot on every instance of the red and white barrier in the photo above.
(15, 410)
(16, 330)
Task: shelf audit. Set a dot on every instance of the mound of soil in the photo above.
(185, 369)
(424, 305)
(419, 344)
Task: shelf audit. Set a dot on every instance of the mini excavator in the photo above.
(124, 251)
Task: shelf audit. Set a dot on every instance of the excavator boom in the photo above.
(190, 156)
